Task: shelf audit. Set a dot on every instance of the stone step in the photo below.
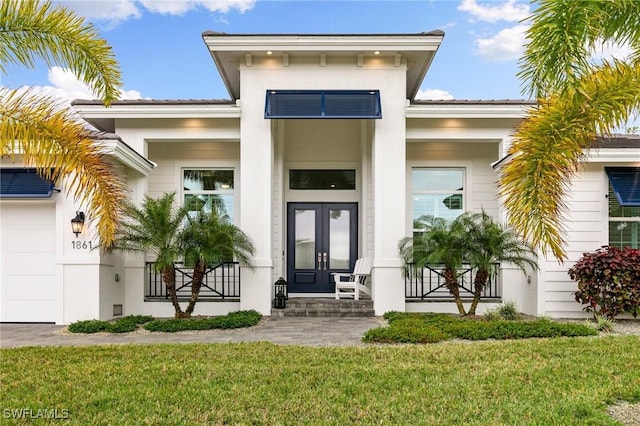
(317, 307)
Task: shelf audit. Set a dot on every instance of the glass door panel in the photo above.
(322, 239)
(305, 229)
(339, 239)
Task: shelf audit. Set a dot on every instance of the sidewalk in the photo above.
(290, 331)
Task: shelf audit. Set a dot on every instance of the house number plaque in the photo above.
(81, 245)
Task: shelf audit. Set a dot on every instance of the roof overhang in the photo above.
(469, 109)
(103, 118)
(112, 145)
(230, 50)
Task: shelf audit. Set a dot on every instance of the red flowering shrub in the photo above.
(608, 281)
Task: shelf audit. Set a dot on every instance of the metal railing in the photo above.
(428, 283)
(220, 281)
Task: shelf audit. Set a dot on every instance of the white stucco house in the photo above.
(322, 156)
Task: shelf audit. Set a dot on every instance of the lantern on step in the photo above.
(281, 293)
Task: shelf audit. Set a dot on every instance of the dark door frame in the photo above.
(319, 279)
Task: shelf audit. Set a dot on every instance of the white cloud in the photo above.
(434, 94)
(66, 87)
(113, 12)
(507, 11)
(608, 51)
(109, 11)
(506, 45)
(180, 7)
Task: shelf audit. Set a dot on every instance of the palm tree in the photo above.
(578, 100)
(41, 131)
(488, 243)
(441, 242)
(155, 228)
(209, 239)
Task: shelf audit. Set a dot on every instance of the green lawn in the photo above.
(563, 381)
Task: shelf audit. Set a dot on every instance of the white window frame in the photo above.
(180, 169)
(465, 167)
(635, 220)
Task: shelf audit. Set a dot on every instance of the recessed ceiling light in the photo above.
(269, 52)
(377, 52)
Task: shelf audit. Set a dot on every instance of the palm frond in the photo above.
(210, 238)
(562, 36)
(550, 144)
(46, 135)
(31, 30)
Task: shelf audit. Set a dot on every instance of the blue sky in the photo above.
(162, 55)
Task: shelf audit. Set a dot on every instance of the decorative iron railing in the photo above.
(220, 281)
(428, 283)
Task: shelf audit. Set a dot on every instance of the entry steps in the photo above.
(321, 307)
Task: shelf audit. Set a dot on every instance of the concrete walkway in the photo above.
(290, 331)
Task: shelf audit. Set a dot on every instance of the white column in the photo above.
(389, 174)
(256, 174)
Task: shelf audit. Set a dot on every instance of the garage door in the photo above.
(28, 287)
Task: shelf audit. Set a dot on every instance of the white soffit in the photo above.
(230, 50)
(463, 109)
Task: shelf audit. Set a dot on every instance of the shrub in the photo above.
(509, 311)
(505, 311)
(608, 281)
(602, 323)
(492, 315)
(429, 328)
(406, 330)
(88, 326)
(128, 323)
(237, 319)
(121, 325)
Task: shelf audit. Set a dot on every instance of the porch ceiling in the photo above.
(229, 51)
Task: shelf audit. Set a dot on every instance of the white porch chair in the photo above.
(352, 284)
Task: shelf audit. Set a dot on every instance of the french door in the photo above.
(322, 238)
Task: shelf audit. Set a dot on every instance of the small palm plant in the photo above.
(209, 239)
(441, 242)
(488, 242)
(155, 228)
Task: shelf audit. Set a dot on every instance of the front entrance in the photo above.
(322, 238)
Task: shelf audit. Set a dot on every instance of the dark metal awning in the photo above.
(625, 182)
(23, 183)
(323, 104)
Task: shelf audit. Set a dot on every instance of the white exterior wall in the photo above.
(481, 189)
(174, 144)
(444, 146)
(270, 74)
(49, 275)
(587, 230)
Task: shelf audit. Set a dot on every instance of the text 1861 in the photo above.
(81, 245)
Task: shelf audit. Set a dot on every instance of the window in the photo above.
(322, 179)
(624, 211)
(438, 192)
(209, 190)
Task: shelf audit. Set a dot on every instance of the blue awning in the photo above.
(625, 182)
(23, 183)
(323, 104)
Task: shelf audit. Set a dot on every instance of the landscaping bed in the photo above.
(430, 328)
(239, 319)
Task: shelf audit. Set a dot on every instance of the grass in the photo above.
(563, 381)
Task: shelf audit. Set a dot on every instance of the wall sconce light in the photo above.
(77, 223)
